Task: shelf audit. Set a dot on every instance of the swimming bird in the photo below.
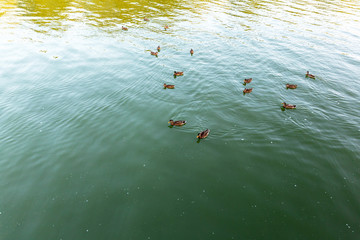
(288, 106)
(166, 27)
(247, 90)
(124, 28)
(247, 80)
(191, 52)
(178, 73)
(177, 123)
(169, 86)
(158, 48)
(154, 53)
(146, 19)
(309, 75)
(292, 86)
(203, 134)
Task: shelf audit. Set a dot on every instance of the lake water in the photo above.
(86, 149)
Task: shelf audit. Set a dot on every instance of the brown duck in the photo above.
(203, 134)
(177, 123)
(178, 73)
(288, 106)
(291, 86)
(158, 48)
(191, 52)
(154, 53)
(124, 28)
(169, 86)
(166, 27)
(146, 19)
(309, 75)
(247, 80)
(247, 90)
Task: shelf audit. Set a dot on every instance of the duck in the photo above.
(146, 19)
(191, 52)
(166, 27)
(178, 73)
(247, 80)
(154, 53)
(247, 90)
(124, 28)
(158, 48)
(177, 123)
(203, 134)
(292, 86)
(169, 86)
(288, 106)
(310, 75)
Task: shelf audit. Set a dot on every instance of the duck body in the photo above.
(247, 80)
(146, 19)
(203, 134)
(309, 75)
(191, 52)
(247, 90)
(124, 28)
(177, 123)
(178, 73)
(158, 48)
(288, 106)
(166, 27)
(291, 86)
(169, 86)
(154, 53)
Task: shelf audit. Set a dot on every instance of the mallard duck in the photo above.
(169, 86)
(158, 48)
(288, 106)
(154, 53)
(124, 28)
(292, 86)
(178, 73)
(310, 75)
(146, 19)
(203, 134)
(247, 80)
(166, 27)
(247, 90)
(191, 52)
(177, 123)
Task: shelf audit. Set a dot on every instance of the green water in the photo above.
(85, 147)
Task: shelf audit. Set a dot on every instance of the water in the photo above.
(86, 151)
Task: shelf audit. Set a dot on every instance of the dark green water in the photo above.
(85, 147)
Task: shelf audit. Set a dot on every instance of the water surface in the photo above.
(86, 151)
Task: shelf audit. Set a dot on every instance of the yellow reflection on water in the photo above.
(6, 6)
(107, 13)
(101, 8)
